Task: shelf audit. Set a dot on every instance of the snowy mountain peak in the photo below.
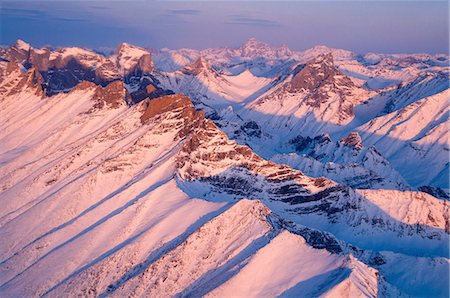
(197, 67)
(338, 54)
(132, 58)
(322, 49)
(284, 51)
(318, 72)
(253, 44)
(126, 48)
(253, 48)
(22, 45)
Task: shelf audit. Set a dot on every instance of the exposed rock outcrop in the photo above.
(353, 140)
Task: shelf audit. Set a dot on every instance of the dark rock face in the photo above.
(353, 140)
(434, 191)
(223, 167)
(27, 56)
(317, 79)
(303, 144)
(113, 95)
(377, 260)
(243, 173)
(60, 74)
(195, 68)
(295, 200)
(146, 87)
(31, 80)
(20, 52)
(319, 239)
(135, 68)
(106, 72)
(235, 183)
(316, 73)
(180, 105)
(315, 238)
(251, 128)
(40, 60)
(63, 70)
(143, 67)
(62, 77)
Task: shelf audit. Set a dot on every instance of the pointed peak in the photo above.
(317, 71)
(338, 54)
(32, 81)
(196, 67)
(127, 48)
(200, 61)
(254, 43)
(254, 48)
(322, 48)
(353, 140)
(122, 46)
(247, 73)
(22, 45)
(284, 50)
(35, 81)
(131, 58)
(326, 59)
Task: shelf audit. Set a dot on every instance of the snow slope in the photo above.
(105, 197)
(291, 266)
(207, 87)
(111, 209)
(415, 137)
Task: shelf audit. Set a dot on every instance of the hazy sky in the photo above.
(363, 26)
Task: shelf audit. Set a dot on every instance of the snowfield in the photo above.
(248, 172)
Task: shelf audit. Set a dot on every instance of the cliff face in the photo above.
(14, 81)
(62, 69)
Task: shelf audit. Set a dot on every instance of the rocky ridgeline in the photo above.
(62, 69)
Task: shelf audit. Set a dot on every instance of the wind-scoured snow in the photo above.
(414, 137)
(292, 268)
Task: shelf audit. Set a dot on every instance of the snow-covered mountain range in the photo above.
(252, 172)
